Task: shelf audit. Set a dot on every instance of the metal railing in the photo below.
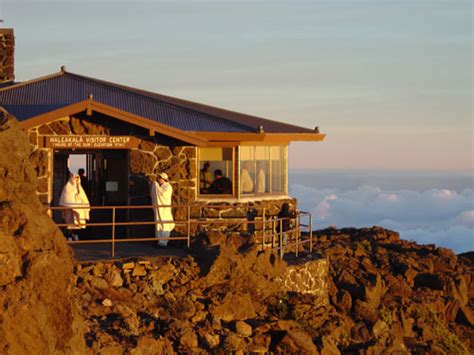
(296, 237)
(269, 233)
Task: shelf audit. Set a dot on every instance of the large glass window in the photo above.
(262, 169)
(216, 169)
(277, 155)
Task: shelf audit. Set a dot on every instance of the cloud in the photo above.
(444, 194)
(466, 219)
(444, 217)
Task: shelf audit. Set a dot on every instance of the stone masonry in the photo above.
(7, 63)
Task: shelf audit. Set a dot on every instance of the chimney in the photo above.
(7, 61)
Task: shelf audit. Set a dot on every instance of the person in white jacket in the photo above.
(161, 192)
(74, 197)
(246, 181)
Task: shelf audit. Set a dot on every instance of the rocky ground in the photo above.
(394, 295)
(386, 295)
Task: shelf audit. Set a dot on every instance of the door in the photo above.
(108, 173)
(116, 177)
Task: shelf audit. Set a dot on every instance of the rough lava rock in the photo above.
(37, 314)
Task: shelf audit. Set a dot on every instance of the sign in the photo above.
(111, 186)
(90, 142)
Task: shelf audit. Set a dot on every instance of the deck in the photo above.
(102, 252)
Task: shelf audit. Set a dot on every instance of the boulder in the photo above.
(139, 270)
(235, 306)
(38, 314)
(208, 340)
(114, 278)
(343, 301)
(243, 329)
(363, 311)
(296, 341)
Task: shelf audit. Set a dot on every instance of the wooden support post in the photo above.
(113, 232)
(189, 225)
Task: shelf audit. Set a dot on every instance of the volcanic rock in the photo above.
(38, 314)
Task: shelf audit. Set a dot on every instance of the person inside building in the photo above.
(84, 181)
(261, 183)
(221, 184)
(246, 182)
(77, 213)
(205, 178)
(161, 193)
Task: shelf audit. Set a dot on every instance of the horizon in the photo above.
(362, 71)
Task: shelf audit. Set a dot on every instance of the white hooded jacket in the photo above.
(161, 196)
(73, 195)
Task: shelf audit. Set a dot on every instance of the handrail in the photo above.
(285, 239)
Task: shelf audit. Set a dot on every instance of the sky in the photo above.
(389, 82)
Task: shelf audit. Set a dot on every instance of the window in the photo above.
(278, 176)
(262, 169)
(216, 168)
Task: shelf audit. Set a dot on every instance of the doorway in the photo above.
(106, 184)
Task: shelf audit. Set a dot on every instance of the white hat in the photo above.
(164, 176)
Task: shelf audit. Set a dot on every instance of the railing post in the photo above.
(189, 225)
(281, 239)
(273, 234)
(113, 232)
(298, 233)
(310, 233)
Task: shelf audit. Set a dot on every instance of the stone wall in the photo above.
(308, 276)
(7, 60)
(230, 216)
(42, 161)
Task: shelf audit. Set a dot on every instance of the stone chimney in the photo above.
(7, 60)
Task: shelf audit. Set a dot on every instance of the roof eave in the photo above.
(260, 138)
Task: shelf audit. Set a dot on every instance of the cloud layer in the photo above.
(444, 217)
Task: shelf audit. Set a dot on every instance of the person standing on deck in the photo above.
(77, 213)
(161, 193)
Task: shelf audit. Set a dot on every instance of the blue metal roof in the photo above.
(30, 99)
